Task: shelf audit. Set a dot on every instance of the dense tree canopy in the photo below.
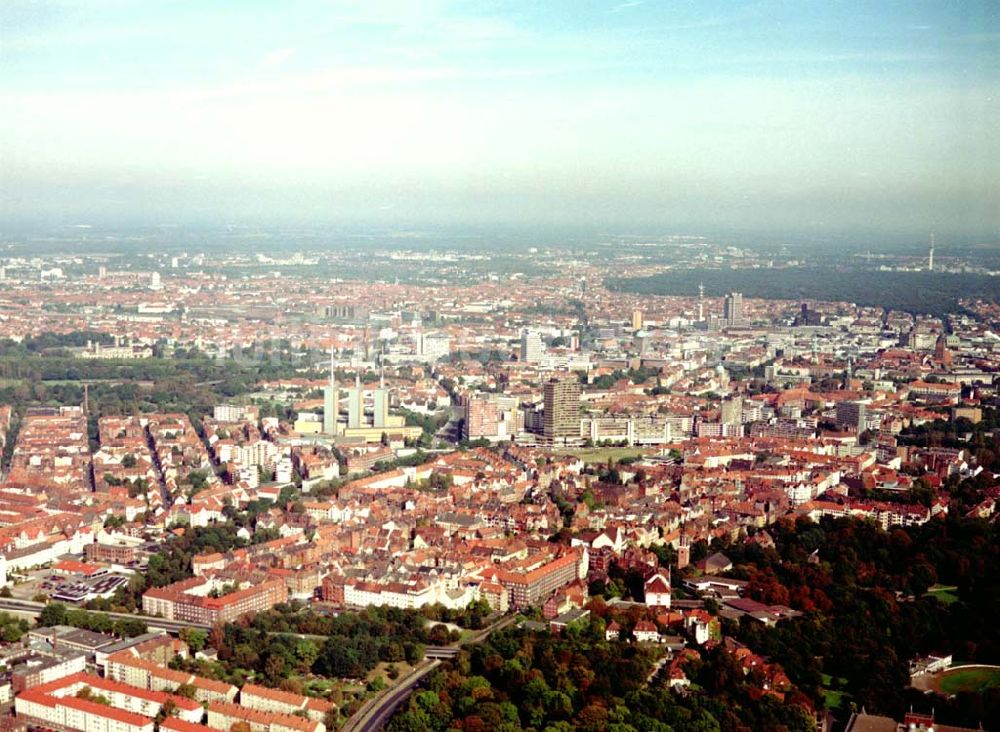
(521, 680)
(937, 293)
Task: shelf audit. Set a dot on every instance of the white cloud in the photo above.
(278, 57)
(625, 6)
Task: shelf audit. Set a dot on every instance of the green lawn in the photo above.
(833, 697)
(969, 679)
(601, 454)
(318, 687)
(944, 593)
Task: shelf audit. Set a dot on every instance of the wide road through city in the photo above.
(29, 607)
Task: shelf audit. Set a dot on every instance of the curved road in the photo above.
(373, 714)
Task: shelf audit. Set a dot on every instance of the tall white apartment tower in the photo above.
(532, 348)
(355, 404)
(331, 401)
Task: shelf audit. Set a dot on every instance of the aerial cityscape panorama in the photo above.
(432, 365)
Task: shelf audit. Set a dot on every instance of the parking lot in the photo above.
(68, 588)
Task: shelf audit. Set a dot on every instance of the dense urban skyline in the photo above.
(770, 116)
(560, 366)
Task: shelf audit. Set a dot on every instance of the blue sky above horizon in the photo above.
(634, 114)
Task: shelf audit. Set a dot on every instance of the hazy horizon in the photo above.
(823, 118)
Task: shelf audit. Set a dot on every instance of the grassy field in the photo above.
(945, 593)
(833, 697)
(969, 679)
(601, 454)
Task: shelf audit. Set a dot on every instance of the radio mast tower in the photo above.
(701, 301)
(930, 256)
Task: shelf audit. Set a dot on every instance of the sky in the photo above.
(615, 116)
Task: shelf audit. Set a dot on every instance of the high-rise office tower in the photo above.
(532, 348)
(355, 404)
(561, 410)
(380, 399)
(331, 401)
(435, 346)
(732, 411)
(641, 342)
(482, 416)
(637, 320)
(733, 308)
(381, 407)
(852, 414)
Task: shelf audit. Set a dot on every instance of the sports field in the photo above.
(944, 593)
(602, 454)
(968, 678)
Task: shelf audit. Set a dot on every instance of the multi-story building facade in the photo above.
(145, 674)
(532, 347)
(223, 716)
(76, 702)
(38, 670)
(283, 702)
(69, 714)
(531, 587)
(482, 417)
(733, 309)
(189, 600)
(561, 410)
